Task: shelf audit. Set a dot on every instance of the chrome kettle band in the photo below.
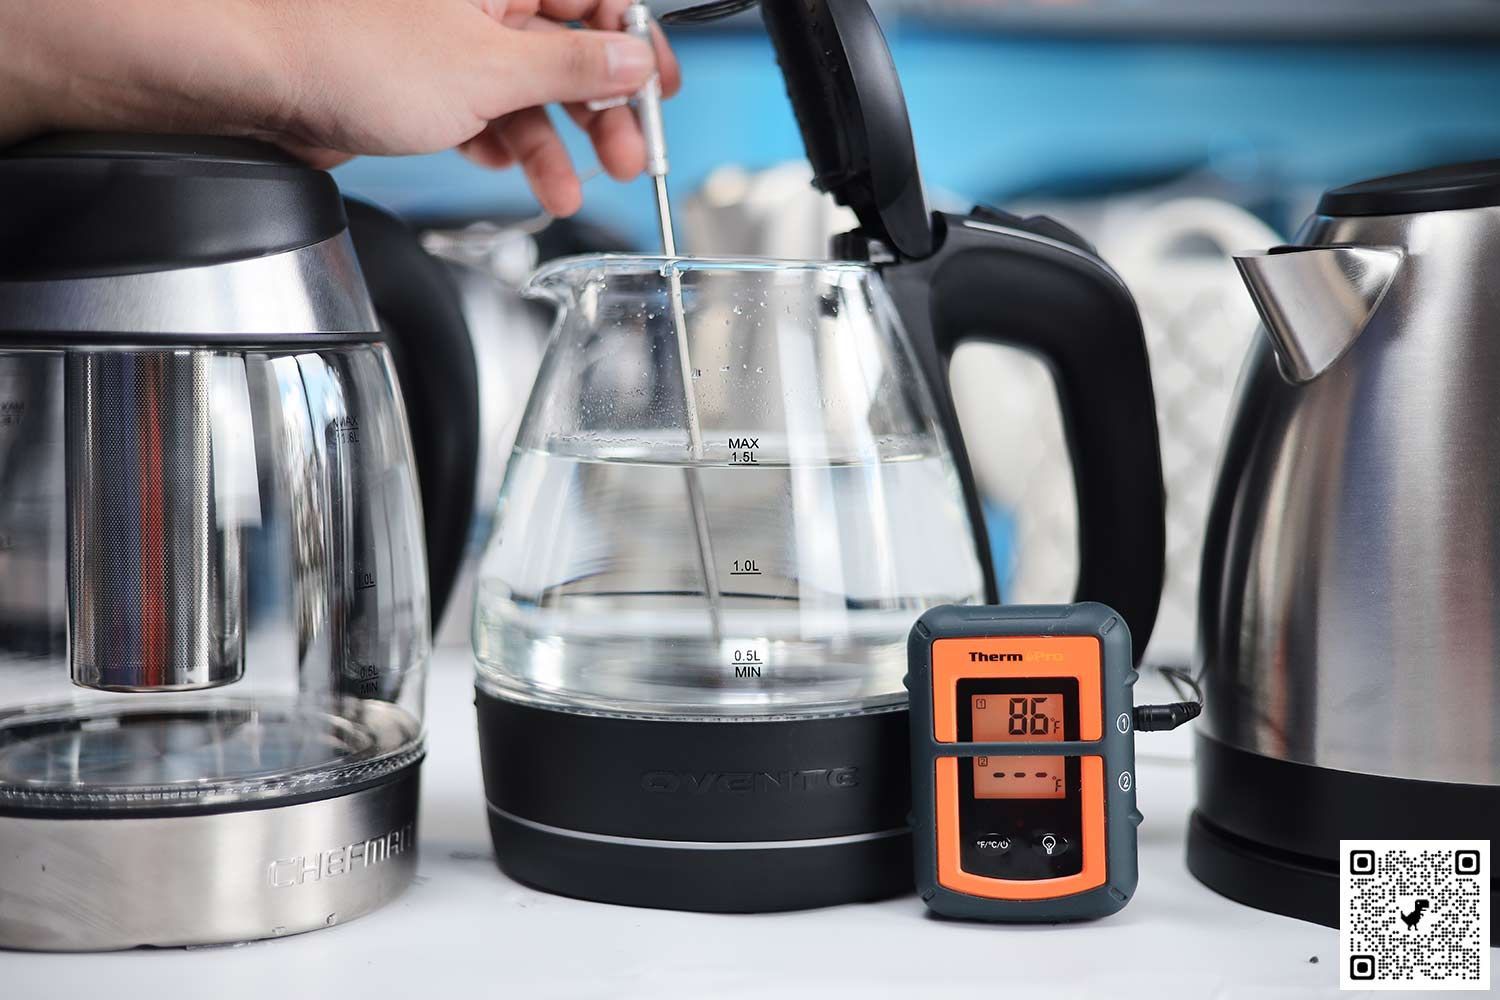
(316, 289)
(103, 884)
(701, 845)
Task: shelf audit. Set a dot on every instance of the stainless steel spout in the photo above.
(1315, 301)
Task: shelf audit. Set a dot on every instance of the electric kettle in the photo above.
(737, 485)
(214, 594)
(1348, 626)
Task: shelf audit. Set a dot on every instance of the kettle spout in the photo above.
(1315, 301)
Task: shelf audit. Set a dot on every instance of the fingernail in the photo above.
(606, 103)
(629, 59)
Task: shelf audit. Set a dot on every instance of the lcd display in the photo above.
(1018, 718)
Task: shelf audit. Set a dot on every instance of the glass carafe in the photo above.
(755, 546)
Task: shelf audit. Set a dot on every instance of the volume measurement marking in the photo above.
(746, 660)
(745, 567)
(742, 451)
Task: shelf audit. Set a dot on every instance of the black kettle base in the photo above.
(704, 881)
(1266, 832)
(718, 817)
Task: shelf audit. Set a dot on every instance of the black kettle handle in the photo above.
(423, 323)
(1033, 284)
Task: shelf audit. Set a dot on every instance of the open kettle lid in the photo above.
(1435, 189)
(89, 205)
(849, 106)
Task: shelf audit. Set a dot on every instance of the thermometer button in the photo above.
(1050, 844)
(992, 844)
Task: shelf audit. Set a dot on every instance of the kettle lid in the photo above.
(1435, 189)
(88, 205)
(849, 105)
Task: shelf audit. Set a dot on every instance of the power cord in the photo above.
(1159, 718)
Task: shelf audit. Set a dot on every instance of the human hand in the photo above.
(332, 79)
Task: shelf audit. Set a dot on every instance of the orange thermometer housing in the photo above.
(1023, 761)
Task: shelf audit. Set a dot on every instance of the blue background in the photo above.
(994, 116)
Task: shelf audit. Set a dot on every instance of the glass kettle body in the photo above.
(756, 547)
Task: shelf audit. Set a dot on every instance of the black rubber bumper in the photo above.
(1266, 832)
(727, 817)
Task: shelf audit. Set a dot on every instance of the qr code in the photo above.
(1414, 913)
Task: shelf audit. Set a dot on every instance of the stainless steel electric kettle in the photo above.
(214, 588)
(1349, 625)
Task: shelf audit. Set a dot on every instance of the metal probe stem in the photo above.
(648, 110)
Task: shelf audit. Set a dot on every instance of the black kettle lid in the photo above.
(86, 205)
(1435, 189)
(847, 97)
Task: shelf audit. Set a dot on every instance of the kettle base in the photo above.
(1266, 831)
(107, 881)
(714, 816)
(661, 876)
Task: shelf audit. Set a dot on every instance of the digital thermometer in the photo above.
(1023, 761)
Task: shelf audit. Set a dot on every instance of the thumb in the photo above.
(572, 66)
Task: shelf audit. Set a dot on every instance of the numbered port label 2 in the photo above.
(746, 660)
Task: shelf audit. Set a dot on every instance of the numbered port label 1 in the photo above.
(746, 659)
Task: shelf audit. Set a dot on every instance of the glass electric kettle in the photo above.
(738, 484)
(214, 596)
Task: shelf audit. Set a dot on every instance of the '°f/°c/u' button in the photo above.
(991, 843)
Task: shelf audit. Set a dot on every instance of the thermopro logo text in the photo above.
(1035, 654)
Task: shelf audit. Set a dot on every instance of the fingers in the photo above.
(666, 63)
(602, 15)
(606, 14)
(488, 149)
(529, 137)
(534, 68)
(616, 133)
(317, 157)
(617, 139)
(543, 63)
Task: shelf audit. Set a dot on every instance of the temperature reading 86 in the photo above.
(1026, 717)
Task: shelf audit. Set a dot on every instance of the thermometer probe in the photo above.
(647, 104)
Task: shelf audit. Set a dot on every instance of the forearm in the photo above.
(25, 82)
(150, 65)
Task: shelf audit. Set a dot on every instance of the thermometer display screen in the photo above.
(1018, 718)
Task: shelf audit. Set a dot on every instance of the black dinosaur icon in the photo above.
(1415, 916)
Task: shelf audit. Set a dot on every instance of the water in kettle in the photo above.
(597, 600)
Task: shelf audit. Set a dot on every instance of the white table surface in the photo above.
(464, 929)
